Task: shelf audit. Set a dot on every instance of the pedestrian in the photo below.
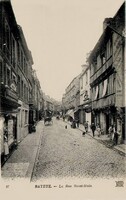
(74, 124)
(111, 132)
(98, 130)
(6, 147)
(63, 117)
(115, 139)
(86, 126)
(93, 128)
(77, 122)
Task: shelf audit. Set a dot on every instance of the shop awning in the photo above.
(70, 113)
(77, 110)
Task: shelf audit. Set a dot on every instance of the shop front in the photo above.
(8, 121)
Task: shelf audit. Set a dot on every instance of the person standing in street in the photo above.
(93, 128)
(77, 122)
(98, 130)
(111, 131)
(86, 126)
(115, 139)
(63, 117)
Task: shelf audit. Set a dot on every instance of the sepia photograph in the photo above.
(62, 99)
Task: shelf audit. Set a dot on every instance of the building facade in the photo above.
(85, 100)
(107, 75)
(25, 62)
(19, 88)
(70, 99)
(8, 80)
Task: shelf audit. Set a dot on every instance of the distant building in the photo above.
(85, 100)
(70, 100)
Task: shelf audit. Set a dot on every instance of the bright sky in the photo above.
(59, 34)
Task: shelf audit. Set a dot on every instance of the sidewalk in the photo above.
(104, 139)
(21, 163)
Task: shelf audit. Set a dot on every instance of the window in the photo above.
(19, 86)
(96, 92)
(24, 64)
(86, 78)
(22, 61)
(26, 117)
(19, 53)
(105, 87)
(22, 117)
(13, 49)
(14, 78)
(5, 73)
(81, 83)
(26, 94)
(8, 77)
(95, 65)
(98, 61)
(109, 48)
(1, 71)
(103, 58)
(6, 39)
(22, 91)
(7, 35)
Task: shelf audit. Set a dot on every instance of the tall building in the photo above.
(9, 35)
(20, 89)
(24, 63)
(107, 75)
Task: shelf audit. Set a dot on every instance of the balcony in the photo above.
(10, 94)
(108, 100)
(9, 98)
(101, 70)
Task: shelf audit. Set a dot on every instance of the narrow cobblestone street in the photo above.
(66, 153)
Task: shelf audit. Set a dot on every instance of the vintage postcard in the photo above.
(62, 99)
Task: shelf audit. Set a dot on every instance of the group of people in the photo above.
(112, 133)
(96, 129)
(93, 128)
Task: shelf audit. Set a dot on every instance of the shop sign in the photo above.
(11, 94)
(87, 109)
(20, 102)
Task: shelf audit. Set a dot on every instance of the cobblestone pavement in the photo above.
(66, 153)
